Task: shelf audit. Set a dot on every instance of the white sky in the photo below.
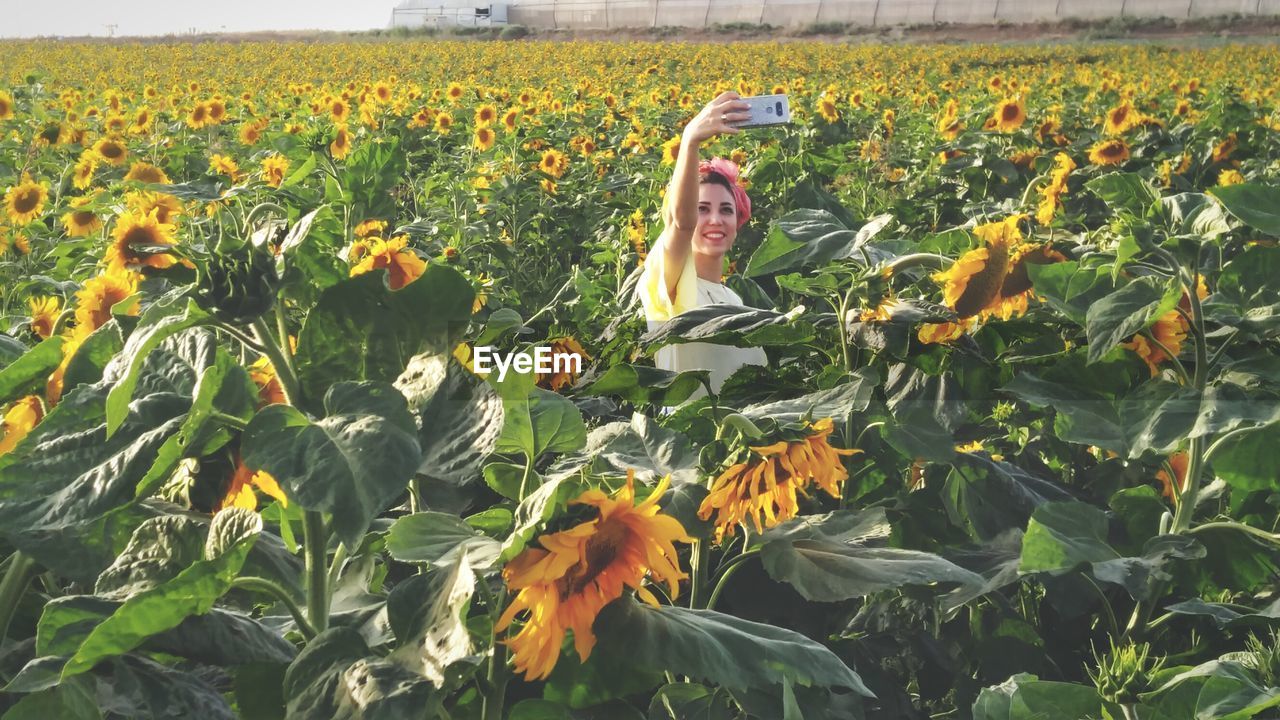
(33, 18)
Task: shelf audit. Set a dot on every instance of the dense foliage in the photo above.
(1011, 458)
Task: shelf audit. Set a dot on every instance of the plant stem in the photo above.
(12, 588)
(283, 367)
(315, 542)
(1187, 499)
(228, 420)
(269, 587)
(1258, 533)
(495, 694)
(727, 572)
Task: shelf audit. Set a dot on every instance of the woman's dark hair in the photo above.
(715, 178)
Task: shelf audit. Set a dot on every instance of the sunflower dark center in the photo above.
(602, 549)
(27, 200)
(1011, 113)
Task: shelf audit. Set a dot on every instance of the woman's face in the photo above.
(717, 220)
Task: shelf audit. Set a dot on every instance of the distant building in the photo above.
(448, 13)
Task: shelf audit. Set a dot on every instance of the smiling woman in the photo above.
(703, 210)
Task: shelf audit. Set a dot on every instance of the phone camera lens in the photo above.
(778, 105)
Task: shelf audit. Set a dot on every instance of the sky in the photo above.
(25, 18)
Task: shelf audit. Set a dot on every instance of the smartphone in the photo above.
(767, 110)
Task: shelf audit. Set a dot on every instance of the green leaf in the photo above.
(1249, 461)
(360, 329)
(1195, 214)
(1071, 288)
(831, 568)
(1026, 697)
(836, 402)
(640, 384)
(163, 319)
(1124, 191)
(537, 420)
(1253, 204)
(354, 463)
(94, 354)
(439, 539)
(336, 678)
(28, 373)
(159, 550)
(538, 507)
(735, 325)
(991, 498)
(722, 649)
(807, 237)
(1063, 536)
(1124, 312)
(192, 592)
(459, 416)
(1216, 689)
(436, 636)
(72, 701)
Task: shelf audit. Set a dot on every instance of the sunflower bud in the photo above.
(238, 285)
(1124, 672)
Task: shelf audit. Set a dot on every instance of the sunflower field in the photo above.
(1014, 455)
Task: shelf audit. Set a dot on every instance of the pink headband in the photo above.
(729, 170)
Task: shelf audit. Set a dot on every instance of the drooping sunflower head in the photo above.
(240, 489)
(564, 371)
(973, 282)
(25, 201)
(562, 584)
(135, 232)
(147, 173)
(274, 167)
(1109, 152)
(1016, 290)
(766, 487)
(402, 265)
(224, 165)
(99, 294)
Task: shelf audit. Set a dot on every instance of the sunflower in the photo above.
(147, 173)
(509, 119)
(341, 144)
(224, 165)
(454, 92)
(827, 108)
(1223, 150)
(948, 124)
(19, 419)
(6, 105)
(142, 120)
(135, 230)
(561, 378)
(96, 297)
(370, 228)
(548, 186)
(339, 110)
(1178, 462)
(553, 163)
(443, 122)
(404, 266)
(217, 111)
(1170, 330)
(44, 314)
(1121, 118)
(770, 484)
(263, 374)
(1016, 290)
(198, 117)
(1230, 176)
(944, 332)
(1051, 194)
(1109, 152)
(112, 151)
(973, 282)
(485, 115)
(274, 167)
(1009, 115)
(85, 167)
(240, 489)
(484, 138)
(80, 222)
(25, 201)
(563, 584)
(167, 207)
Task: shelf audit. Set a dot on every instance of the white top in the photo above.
(691, 291)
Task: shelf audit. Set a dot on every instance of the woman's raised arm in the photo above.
(681, 215)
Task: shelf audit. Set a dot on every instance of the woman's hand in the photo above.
(717, 117)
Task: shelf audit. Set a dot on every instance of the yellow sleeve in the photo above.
(658, 305)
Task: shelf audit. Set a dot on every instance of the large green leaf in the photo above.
(1063, 536)
(28, 373)
(1026, 697)
(1125, 191)
(1245, 294)
(1254, 204)
(990, 498)
(159, 550)
(836, 402)
(192, 591)
(459, 416)
(439, 539)
(824, 563)
(360, 329)
(1195, 214)
(165, 318)
(728, 651)
(1124, 312)
(537, 420)
(353, 463)
(735, 325)
(640, 384)
(1071, 288)
(436, 634)
(807, 237)
(1223, 689)
(1250, 462)
(336, 677)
